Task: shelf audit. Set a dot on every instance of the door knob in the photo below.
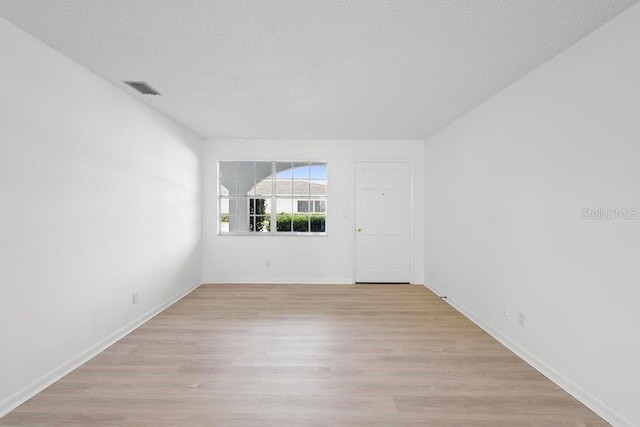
(359, 229)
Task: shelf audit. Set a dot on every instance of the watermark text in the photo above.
(609, 214)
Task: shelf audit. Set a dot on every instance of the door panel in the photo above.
(370, 208)
(395, 252)
(370, 252)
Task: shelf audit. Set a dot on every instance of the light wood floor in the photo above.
(303, 355)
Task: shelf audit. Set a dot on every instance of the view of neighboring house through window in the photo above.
(311, 206)
(272, 197)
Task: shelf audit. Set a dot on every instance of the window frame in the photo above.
(273, 200)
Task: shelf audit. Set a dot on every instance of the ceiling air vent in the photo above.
(143, 88)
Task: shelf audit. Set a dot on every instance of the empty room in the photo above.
(320, 213)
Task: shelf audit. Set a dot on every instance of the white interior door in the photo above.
(383, 222)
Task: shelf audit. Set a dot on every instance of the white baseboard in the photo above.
(435, 290)
(284, 282)
(289, 281)
(607, 413)
(18, 398)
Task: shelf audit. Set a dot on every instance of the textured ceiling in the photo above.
(312, 69)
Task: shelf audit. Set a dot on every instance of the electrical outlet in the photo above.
(521, 319)
(135, 298)
(268, 263)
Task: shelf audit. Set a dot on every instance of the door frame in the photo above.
(409, 163)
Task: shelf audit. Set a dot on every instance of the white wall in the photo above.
(505, 186)
(296, 259)
(100, 197)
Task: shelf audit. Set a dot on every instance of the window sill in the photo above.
(281, 234)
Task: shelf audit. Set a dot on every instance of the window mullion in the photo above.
(274, 200)
(309, 202)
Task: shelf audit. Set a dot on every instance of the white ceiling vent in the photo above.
(143, 88)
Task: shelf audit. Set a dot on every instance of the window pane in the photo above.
(238, 215)
(284, 187)
(244, 186)
(301, 171)
(224, 207)
(318, 222)
(318, 188)
(319, 206)
(318, 171)
(231, 185)
(263, 187)
(263, 223)
(246, 171)
(300, 188)
(284, 206)
(242, 222)
(232, 225)
(224, 216)
(284, 170)
(262, 170)
(303, 206)
(267, 206)
(258, 223)
(257, 206)
(228, 169)
(301, 222)
(284, 223)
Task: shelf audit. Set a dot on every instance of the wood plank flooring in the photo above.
(304, 355)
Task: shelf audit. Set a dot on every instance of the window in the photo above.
(272, 197)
